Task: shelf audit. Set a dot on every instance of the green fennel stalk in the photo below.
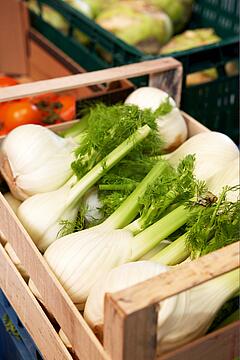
(107, 127)
(89, 179)
(214, 226)
(172, 188)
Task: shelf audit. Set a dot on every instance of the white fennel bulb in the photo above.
(34, 160)
(213, 151)
(190, 313)
(93, 205)
(117, 279)
(41, 214)
(228, 176)
(171, 126)
(181, 318)
(80, 259)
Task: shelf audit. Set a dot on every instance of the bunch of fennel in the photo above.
(215, 226)
(136, 246)
(91, 253)
(107, 127)
(41, 213)
(208, 161)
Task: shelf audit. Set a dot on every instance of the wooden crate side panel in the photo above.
(219, 345)
(55, 298)
(29, 311)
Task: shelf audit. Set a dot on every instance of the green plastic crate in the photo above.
(215, 103)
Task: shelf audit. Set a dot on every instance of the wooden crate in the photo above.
(130, 315)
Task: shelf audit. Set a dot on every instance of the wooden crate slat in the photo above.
(91, 78)
(27, 307)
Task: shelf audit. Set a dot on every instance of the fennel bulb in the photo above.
(213, 227)
(190, 313)
(171, 125)
(41, 213)
(98, 236)
(92, 204)
(117, 279)
(80, 259)
(229, 175)
(35, 160)
(213, 151)
(181, 318)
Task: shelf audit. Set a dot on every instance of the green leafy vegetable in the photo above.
(165, 108)
(108, 126)
(217, 225)
(172, 187)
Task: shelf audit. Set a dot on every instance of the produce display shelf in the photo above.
(124, 313)
(215, 103)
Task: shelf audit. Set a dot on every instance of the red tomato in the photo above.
(50, 97)
(7, 81)
(68, 110)
(63, 108)
(17, 113)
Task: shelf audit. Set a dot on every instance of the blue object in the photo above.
(13, 347)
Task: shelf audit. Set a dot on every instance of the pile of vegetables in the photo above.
(44, 109)
(122, 196)
(149, 25)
